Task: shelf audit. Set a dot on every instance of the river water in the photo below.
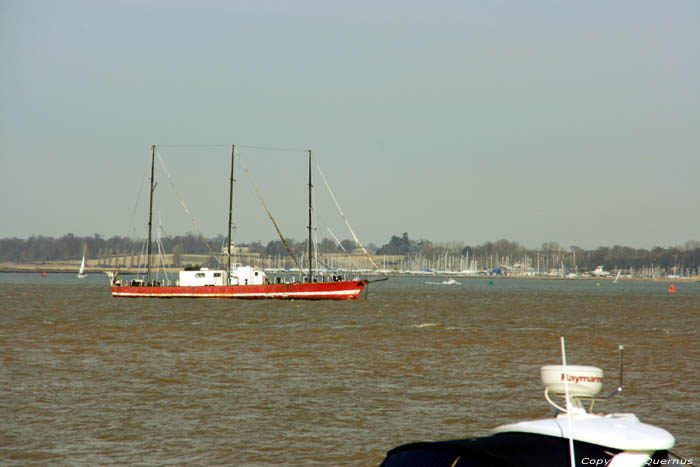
(86, 379)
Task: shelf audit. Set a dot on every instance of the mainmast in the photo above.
(230, 217)
(310, 209)
(150, 217)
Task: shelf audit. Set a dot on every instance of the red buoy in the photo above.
(43, 274)
(671, 288)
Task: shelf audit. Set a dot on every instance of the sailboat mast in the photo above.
(230, 216)
(310, 209)
(150, 217)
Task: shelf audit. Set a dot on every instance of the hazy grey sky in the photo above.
(534, 121)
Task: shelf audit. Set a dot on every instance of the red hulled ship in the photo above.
(237, 281)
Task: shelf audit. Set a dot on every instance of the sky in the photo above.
(454, 121)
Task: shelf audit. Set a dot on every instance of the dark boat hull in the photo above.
(505, 450)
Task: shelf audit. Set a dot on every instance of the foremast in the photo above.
(230, 217)
(150, 217)
(311, 276)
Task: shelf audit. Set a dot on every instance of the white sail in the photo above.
(617, 278)
(81, 273)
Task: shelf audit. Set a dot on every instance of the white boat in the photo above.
(599, 272)
(81, 272)
(575, 436)
(445, 282)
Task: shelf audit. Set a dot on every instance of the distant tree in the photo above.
(577, 250)
(691, 245)
(327, 246)
(277, 248)
(399, 246)
(348, 245)
(255, 247)
(549, 247)
(505, 248)
(691, 258)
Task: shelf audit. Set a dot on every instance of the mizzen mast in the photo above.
(230, 217)
(150, 217)
(310, 226)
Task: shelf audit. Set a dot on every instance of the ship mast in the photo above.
(230, 217)
(310, 209)
(150, 217)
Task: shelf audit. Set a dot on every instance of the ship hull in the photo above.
(343, 290)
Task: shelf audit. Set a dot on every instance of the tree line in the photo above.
(550, 255)
(39, 249)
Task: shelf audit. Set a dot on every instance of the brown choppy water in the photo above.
(86, 379)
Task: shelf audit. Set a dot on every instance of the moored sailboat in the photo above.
(237, 280)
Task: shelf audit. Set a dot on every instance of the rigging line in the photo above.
(345, 218)
(272, 148)
(138, 200)
(220, 257)
(161, 256)
(318, 257)
(219, 146)
(182, 202)
(279, 233)
(142, 253)
(136, 205)
(337, 242)
(323, 263)
(197, 146)
(319, 221)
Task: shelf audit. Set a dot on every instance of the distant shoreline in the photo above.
(70, 268)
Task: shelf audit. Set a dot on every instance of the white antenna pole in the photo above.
(568, 401)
